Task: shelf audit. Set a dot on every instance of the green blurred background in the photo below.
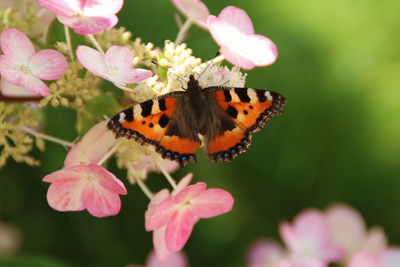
(337, 140)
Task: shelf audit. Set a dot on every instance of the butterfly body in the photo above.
(224, 117)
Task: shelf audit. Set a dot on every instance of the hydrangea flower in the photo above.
(179, 213)
(115, 66)
(266, 252)
(194, 10)
(82, 187)
(234, 32)
(22, 66)
(388, 258)
(349, 231)
(309, 240)
(85, 16)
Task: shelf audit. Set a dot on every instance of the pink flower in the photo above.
(115, 66)
(85, 16)
(234, 32)
(388, 258)
(172, 218)
(265, 253)
(349, 232)
(21, 66)
(93, 146)
(80, 187)
(194, 10)
(309, 240)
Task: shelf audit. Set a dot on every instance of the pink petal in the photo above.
(65, 192)
(189, 193)
(93, 146)
(100, 202)
(155, 201)
(237, 59)
(364, 259)
(10, 70)
(174, 260)
(96, 7)
(161, 214)
(11, 90)
(237, 18)
(310, 232)
(119, 64)
(179, 228)
(347, 227)
(48, 64)
(211, 202)
(265, 253)
(132, 76)
(391, 257)
(184, 182)
(92, 60)
(160, 247)
(66, 8)
(34, 85)
(89, 25)
(119, 57)
(253, 50)
(375, 241)
(15, 44)
(66, 195)
(194, 10)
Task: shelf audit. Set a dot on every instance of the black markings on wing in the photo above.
(232, 112)
(163, 121)
(146, 108)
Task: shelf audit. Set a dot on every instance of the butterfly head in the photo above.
(193, 84)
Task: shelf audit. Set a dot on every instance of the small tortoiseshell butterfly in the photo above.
(224, 116)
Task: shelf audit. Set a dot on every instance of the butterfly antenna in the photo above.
(181, 80)
(215, 59)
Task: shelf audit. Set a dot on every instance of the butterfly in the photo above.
(225, 117)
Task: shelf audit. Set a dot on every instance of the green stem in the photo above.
(95, 43)
(69, 43)
(47, 137)
(183, 32)
(141, 184)
(166, 174)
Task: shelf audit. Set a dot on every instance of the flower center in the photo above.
(26, 70)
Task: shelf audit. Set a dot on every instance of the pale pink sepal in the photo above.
(309, 238)
(85, 17)
(177, 259)
(94, 145)
(365, 259)
(115, 66)
(233, 31)
(21, 66)
(349, 232)
(391, 257)
(16, 45)
(347, 227)
(10, 90)
(265, 252)
(88, 187)
(48, 64)
(194, 10)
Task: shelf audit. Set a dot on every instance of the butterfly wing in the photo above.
(154, 122)
(249, 109)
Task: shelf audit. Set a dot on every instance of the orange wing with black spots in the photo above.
(148, 123)
(249, 109)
